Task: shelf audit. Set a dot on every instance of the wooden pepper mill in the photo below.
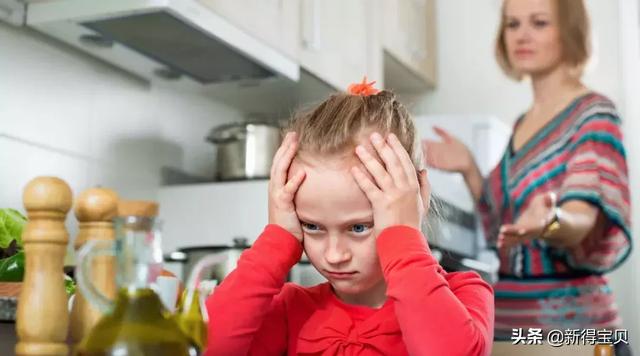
(95, 209)
(42, 318)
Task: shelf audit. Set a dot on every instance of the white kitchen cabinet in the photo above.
(409, 42)
(276, 22)
(339, 41)
(336, 41)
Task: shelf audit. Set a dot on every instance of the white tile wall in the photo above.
(63, 113)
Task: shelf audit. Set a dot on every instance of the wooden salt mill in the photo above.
(95, 209)
(42, 319)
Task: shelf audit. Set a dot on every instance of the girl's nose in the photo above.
(337, 251)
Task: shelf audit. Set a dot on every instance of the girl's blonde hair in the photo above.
(334, 125)
(575, 37)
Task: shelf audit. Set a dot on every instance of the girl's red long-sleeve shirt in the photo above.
(428, 311)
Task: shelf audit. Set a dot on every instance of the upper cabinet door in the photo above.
(339, 42)
(409, 42)
(276, 22)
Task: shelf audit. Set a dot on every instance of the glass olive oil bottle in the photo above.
(136, 323)
(191, 317)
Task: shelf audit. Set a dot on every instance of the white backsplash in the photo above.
(66, 114)
(213, 214)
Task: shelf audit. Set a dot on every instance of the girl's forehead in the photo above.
(330, 198)
(329, 167)
(345, 159)
(328, 180)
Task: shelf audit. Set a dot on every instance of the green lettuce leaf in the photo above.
(12, 268)
(11, 224)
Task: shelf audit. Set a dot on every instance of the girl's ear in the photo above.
(425, 190)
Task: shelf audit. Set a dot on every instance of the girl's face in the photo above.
(532, 36)
(337, 224)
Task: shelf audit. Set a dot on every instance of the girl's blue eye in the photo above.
(360, 228)
(309, 227)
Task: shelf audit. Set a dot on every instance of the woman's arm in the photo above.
(248, 306)
(564, 226)
(474, 180)
(576, 220)
(438, 313)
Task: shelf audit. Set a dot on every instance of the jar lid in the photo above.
(144, 208)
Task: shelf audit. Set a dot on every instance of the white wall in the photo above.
(470, 82)
(63, 113)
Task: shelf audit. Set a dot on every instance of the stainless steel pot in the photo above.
(189, 256)
(244, 150)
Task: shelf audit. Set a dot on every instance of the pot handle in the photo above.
(227, 133)
(176, 256)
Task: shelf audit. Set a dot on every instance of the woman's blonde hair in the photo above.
(335, 125)
(575, 37)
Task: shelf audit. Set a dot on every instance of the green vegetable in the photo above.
(11, 224)
(69, 285)
(12, 268)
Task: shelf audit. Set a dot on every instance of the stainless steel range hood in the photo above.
(180, 41)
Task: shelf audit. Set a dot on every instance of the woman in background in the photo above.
(557, 204)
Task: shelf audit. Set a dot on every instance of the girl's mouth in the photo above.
(341, 275)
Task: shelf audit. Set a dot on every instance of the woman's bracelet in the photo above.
(553, 225)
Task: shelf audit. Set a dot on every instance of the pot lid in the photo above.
(236, 131)
(238, 242)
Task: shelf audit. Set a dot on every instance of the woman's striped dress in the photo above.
(580, 156)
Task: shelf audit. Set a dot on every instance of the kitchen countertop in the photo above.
(506, 348)
(500, 348)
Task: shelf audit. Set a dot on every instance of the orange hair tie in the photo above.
(364, 88)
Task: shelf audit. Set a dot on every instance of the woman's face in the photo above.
(337, 224)
(532, 36)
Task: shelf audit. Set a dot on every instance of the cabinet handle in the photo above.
(311, 25)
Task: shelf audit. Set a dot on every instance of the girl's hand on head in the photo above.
(449, 155)
(398, 195)
(282, 192)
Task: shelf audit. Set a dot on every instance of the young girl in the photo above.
(345, 190)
